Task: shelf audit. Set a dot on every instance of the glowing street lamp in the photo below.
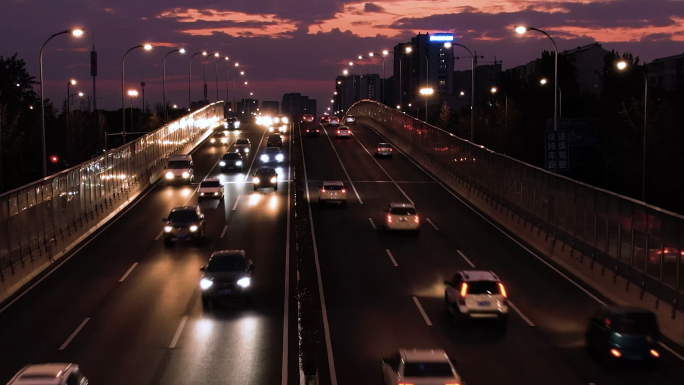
(426, 92)
(494, 90)
(77, 32)
(203, 53)
(146, 47)
(132, 94)
(543, 82)
(181, 51)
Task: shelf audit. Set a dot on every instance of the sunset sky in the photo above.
(301, 45)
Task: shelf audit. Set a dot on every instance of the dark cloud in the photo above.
(373, 8)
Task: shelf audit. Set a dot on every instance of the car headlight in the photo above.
(244, 282)
(274, 179)
(206, 283)
(238, 163)
(215, 194)
(264, 158)
(225, 125)
(224, 140)
(222, 163)
(236, 124)
(246, 150)
(201, 194)
(193, 228)
(270, 129)
(212, 140)
(280, 157)
(169, 175)
(276, 120)
(256, 180)
(168, 229)
(186, 174)
(285, 120)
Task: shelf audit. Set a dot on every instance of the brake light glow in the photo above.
(322, 190)
(405, 383)
(452, 383)
(338, 131)
(415, 219)
(389, 218)
(464, 289)
(655, 353)
(390, 150)
(344, 190)
(503, 291)
(615, 353)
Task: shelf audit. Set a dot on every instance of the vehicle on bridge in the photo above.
(274, 140)
(333, 121)
(307, 118)
(401, 216)
(272, 155)
(243, 146)
(219, 138)
(343, 132)
(312, 131)
(231, 161)
(231, 123)
(477, 294)
(332, 192)
(49, 374)
(419, 367)
(184, 223)
(227, 275)
(265, 177)
(383, 149)
(350, 119)
(179, 169)
(211, 188)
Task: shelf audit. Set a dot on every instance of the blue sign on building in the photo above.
(557, 151)
(442, 37)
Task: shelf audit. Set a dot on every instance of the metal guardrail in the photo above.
(39, 220)
(642, 243)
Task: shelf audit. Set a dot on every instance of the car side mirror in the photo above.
(165, 219)
(203, 268)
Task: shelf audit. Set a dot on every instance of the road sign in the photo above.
(557, 151)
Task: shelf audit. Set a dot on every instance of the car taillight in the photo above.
(390, 150)
(464, 289)
(503, 291)
(655, 353)
(389, 218)
(415, 219)
(615, 353)
(323, 190)
(344, 190)
(338, 131)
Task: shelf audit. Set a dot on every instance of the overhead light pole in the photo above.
(427, 91)
(181, 51)
(236, 73)
(147, 47)
(381, 56)
(190, 77)
(204, 66)
(521, 30)
(132, 93)
(472, 91)
(494, 90)
(216, 73)
(75, 32)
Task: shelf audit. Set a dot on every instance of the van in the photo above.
(179, 169)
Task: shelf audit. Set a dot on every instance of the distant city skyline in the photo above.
(301, 46)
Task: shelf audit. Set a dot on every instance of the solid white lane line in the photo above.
(520, 313)
(383, 170)
(178, 332)
(669, 349)
(433, 225)
(342, 164)
(223, 233)
(420, 308)
(159, 235)
(286, 305)
(326, 327)
(236, 202)
(389, 253)
(128, 272)
(466, 258)
(372, 223)
(71, 337)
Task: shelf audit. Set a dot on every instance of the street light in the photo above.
(560, 98)
(472, 90)
(216, 73)
(181, 51)
(190, 74)
(622, 65)
(426, 92)
(521, 30)
(147, 47)
(236, 73)
(381, 56)
(204, 66)
(70, 83)
(494, 90)
(132, 93)
(75, 32)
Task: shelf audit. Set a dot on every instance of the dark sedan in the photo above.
(231, 161)
(228, 274)
(265, 177)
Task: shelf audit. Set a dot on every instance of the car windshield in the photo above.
(242, 141)
(232, 119)
(231, 156)
(403, 211)
(210, 183)
(175, 164)
(427, 369)
(227, 263)
(383, 145)
(183, 216)
(636, 323)
(219, 135)
(275, 137)
(333, 187)
(272, 151)
(483, 287)
(265, 171)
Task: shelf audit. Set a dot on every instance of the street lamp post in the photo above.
(472, 91)
(237, 91)
(622, 65)
(216, 73)
(204, 66)
(560, 97)
(494, 90)
(190, 75)
(147, 47)
(182, 51)
(75, 32)
(69, 139)
(521, 30)
(132, 93)
(426, 92)
(2, 89)
(236, 73)
(384, 53)
(70, 83)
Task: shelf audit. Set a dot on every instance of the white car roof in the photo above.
(394, 204)
(479, 275)
(424, 355)
(211, 180)
(180, 157)
(383, 144)
(333, 183)
(41, 374)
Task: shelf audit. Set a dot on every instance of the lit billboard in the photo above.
(442, 37)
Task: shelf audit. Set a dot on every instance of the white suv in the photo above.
(476, 294)
(179, 169)
(332, 192)
(211, 188)
(49, 374)
(419, 367)
(401, 216)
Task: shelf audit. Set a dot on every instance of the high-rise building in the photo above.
(296, 105)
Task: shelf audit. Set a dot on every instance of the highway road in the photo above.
(128, 310)
(385, 291)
